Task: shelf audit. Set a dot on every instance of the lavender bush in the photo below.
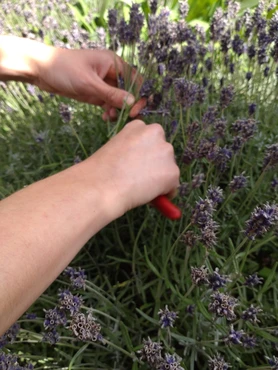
(146, 292)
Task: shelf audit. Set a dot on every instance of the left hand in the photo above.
(89, 76)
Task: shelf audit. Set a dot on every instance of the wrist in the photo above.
(112, 195)
(21, 59)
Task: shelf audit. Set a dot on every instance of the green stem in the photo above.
(175, 243)
(232, 256)
(249, 196)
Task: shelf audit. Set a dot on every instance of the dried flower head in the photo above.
(85, 328)
(69, 302)
(251, 314)
(245, 128)
(170, 362)
(186, 92)
(271, 156)
(65, 112)
(215, 194)
(197, 180)
(249, 341)
(51, 336)
(199, 275)
(54, 317)
(77, 276)
(217, 281)
(208, 234)
(151, 353)
(202, 213)
(273, 362)
(226, 96)
(223, 305)
(234, 336)
(9, 362)
(167, 318)
(10, 335)
(253, 280)
(262, 220)
(238, 182)
(189, 239)
(218, 363)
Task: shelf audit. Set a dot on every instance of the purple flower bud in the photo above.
(202, 213)
(238, 182)
(10, 335)
(262, 220)
(217, 281)
(252, 109)
(167, 318)
(218, 363)
(271, 156)
(253, 280)
(215, 194)
(251, 314)
(226, 96)
(234, 337)
(248, 76)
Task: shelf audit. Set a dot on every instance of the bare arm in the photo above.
(43, 226)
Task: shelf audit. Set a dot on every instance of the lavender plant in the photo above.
(199, 293)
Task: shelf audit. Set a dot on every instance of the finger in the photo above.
(136, 109)
(105, 116)
(112, 95)
(113, 114)
(173, 193)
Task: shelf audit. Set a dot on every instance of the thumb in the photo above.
(113, 96)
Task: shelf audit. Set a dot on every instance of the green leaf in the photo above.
(126, 337)
(78, 353)
(151, 266)
(183, 339)
(268, 282)
(203, 310)
(249, 3)
(148, 318)
(262, 333)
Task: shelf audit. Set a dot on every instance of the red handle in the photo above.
(166, 207)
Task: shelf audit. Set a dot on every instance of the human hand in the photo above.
(89, 76)
(135, 167)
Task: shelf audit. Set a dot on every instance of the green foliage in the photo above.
(141, 262)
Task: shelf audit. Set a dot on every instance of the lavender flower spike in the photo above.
(261, 221)
(223, 305)
(167, 318)
(218, 363)
(199, 275)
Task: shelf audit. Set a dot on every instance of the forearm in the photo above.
(20, 59)
(42, 228)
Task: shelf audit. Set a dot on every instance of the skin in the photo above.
(44, 225)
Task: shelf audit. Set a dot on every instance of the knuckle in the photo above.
(177, 172)
(110, 95)
(170, 149)
(157, 128)
(139, 122)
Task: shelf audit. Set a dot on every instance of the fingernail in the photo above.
(129, 99)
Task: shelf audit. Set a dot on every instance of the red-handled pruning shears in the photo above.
(166, 207)
(162, 203)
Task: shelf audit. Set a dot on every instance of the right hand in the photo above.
(136, 166)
